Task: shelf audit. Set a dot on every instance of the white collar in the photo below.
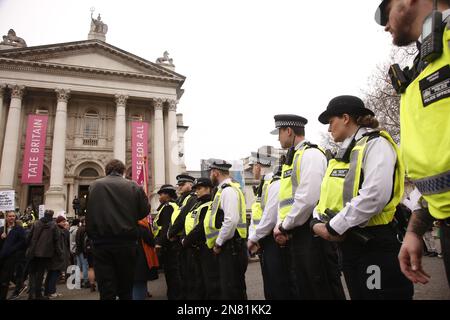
(228, 180)
(300, 144)
(359, 134)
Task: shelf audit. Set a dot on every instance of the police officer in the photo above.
(226, 231)
(185, 202)
(202, 267)
(272, 258)
(424, 122)
(261, 163)
(168, 250)
(359, 194)
(313, 274)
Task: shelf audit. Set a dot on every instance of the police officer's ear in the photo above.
(346, 118)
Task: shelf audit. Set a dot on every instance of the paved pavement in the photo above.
(437, 289)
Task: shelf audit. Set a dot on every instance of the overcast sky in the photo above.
(245, 60)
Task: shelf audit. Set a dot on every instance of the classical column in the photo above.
(172, 136)
(158, 150)
(11, 141)
(2, 109)
(120, 133)
(56, 196)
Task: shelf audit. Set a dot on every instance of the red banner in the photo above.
(139, 150)
(33, 160)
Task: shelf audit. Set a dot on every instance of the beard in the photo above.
(402, 35)
(214, 181)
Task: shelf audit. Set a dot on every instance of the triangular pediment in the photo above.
(92, 54)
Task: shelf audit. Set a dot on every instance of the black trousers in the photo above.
(114, 267)
(274, 270)
(445, 245)
(363, 264)
(195, 286)
(314, 272)
(233, 262)
(171, 265)
(37, 268)
(184, 273)
(209, 264)
(7, 266)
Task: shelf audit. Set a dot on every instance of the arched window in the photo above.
(89, 172)
(91, 123)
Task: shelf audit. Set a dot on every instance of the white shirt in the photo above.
(229, 203)
(312, 170)
(412, 201)
(270, 214)
(252, 227)
(378, 167)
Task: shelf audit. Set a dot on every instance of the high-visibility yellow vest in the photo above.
(185, 200)
(155, 227)
(259, 205)
(290, 180)
(425, 132)
(342, 182)
(192, 218)
(211, 232)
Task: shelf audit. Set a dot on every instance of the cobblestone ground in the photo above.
(437, 289)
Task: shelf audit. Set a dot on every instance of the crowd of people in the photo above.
(316, 216)
(35, 255)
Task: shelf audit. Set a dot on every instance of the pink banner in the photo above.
(139, 149)
(33, 160)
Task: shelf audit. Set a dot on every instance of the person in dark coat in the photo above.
(168, 251)
(114, 207)
(43, 244)
(202, 264)
(146, 261)
(76, 205)
(12, 245)
(58, 263)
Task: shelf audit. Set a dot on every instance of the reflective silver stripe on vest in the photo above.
(263, 196)
(214, 208)
(432, 185)
(286, 202)
(242, 225)
(294, 176)
(212, 235)
(349, 181)
(256, 221)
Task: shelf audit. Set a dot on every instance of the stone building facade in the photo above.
(91, 92)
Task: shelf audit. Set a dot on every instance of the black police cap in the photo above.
(169, 189)
(288, 120)
(381, 16)
(182, 178)
(219, 164)
(344, 104)
(203, 182)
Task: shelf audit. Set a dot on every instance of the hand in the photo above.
(217, 249)
(252, 247)
(280, 238)
(3, 235)
(158, 248)
(410, 258)
(321, 230)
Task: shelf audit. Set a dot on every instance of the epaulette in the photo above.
(372, 135)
